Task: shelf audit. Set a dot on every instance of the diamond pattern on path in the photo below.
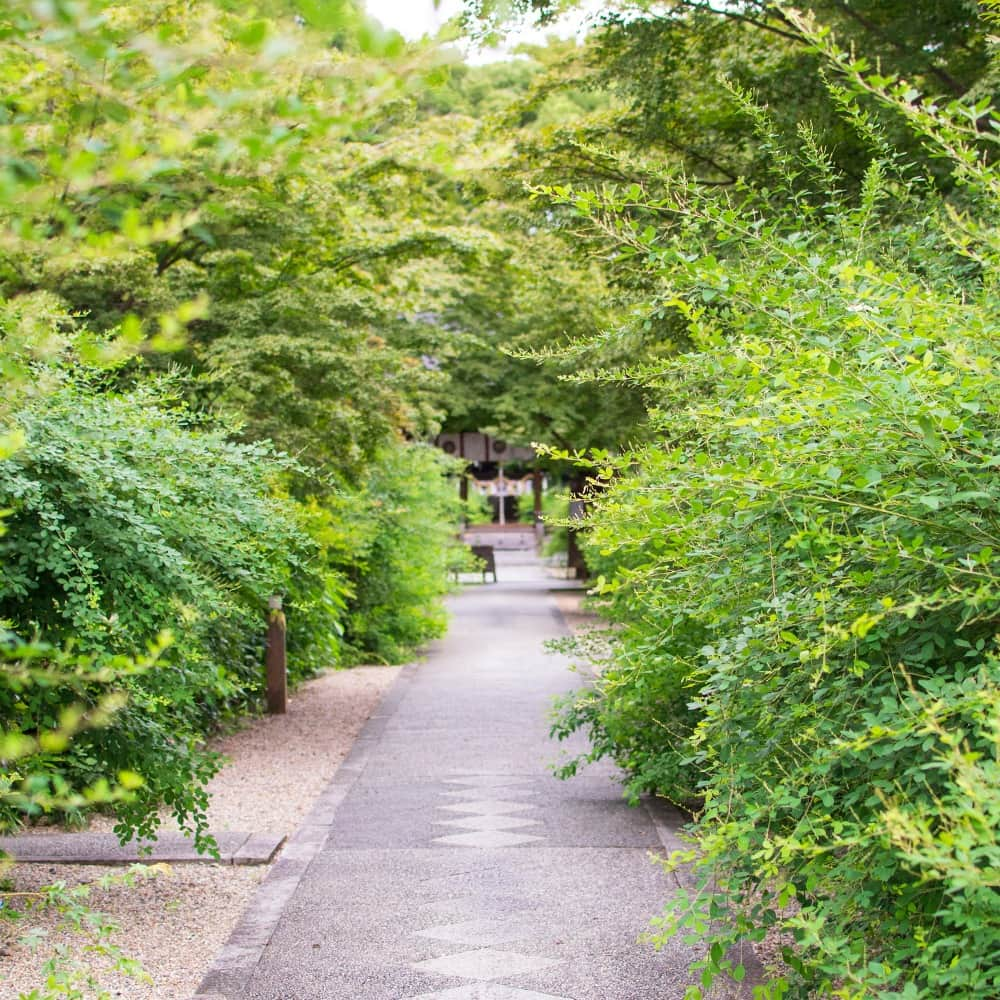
(488, 807)
(486, 991)
(485, 964)
(493, 821)
(474, 907)
(489, 781)
(471, 793)
(477, 932)
(486, 838)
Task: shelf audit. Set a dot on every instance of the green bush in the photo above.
(477, 509)
(404, 523)
(806, 565)
(125, 519)
(555, 514)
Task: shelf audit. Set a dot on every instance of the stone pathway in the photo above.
(446, 863)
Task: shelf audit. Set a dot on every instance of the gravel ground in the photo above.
(176, 922)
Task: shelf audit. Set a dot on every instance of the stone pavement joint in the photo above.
(469, 794)
(489, 807)
(488, 822)
(477, 932)
(487, 838)
(488, 781)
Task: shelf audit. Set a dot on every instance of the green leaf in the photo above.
(254, 34)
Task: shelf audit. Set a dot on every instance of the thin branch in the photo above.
(733, 15)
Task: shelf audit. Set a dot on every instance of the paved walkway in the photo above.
(446, 863)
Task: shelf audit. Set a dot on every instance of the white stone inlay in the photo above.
(489, 781)
(477, 932)
(485, 964)
(489, 806)
(487, 991)
(475, 907)
(486, 838)
(459, 906)
(471, 793)
(493, 821)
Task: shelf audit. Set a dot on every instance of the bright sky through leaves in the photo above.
(414, 18)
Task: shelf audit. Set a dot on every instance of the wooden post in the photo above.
(502, 494)
(577, 509)
(536, 492)
(277, 673)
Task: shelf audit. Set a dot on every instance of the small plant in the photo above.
(74, 968)
(476, 508)
(555, 516)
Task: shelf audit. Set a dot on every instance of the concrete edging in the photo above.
(234, 848)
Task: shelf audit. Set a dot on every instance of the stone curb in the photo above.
(234, 965)
(235, 848)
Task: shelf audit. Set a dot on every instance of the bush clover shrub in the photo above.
(804, 563)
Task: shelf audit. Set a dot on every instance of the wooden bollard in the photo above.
(277, 673)
(536, 493)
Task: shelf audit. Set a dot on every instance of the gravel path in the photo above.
(176, 923)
